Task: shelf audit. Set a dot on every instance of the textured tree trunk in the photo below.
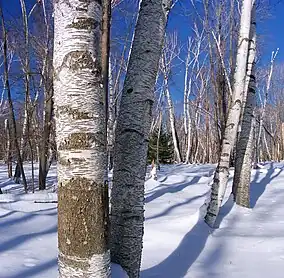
(268, 154)
(207, 132)
(80, 129)
(245, 144)
(45, 144)
(111, 121)
(26, 71)
(44, 147)
(105, 47)
(9, 96)
(221, 175)
(105, 72)
(132, 136)
(189, 125)
(8, 147)
(282, 141)
(172, 122)
(262, 114)
(158, 140)
(187, 87)
(32, 164)
(114, 91)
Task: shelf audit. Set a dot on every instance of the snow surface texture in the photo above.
(177, 243)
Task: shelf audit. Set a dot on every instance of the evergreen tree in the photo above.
(165, 149)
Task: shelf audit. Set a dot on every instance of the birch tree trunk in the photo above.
(158, 140)
(132, 136)
(47, 73)
(8, 147)
(80, 129)
(172, 121)
(105, 51)
(262, 114)
(189, 125)
(110, 120)
(9, 96)
(245, 144)
(45, 144)
(221, 175)
(26, 72)
(187, 88)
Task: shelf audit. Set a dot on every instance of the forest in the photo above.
(137, 136)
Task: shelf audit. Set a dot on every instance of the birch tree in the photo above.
(80, 130)
(245, 143)
(26, 72)
(168, 56)
(263, 104)
(8, 147)
(221, 175)
(132, 135)
(47, 82)
(9, 95)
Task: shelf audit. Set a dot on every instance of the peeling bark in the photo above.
(245, 144)
(221, 175)
(80, 129)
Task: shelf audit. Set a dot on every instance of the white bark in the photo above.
(186, 89)
(221, 175)
(132, 135)
(172, 121)
(245, 144)
(26, 72)
(262, 114)
(80, 130)
(189, 125)
(111, 118)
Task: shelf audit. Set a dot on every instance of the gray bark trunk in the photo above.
(132, 136)
(245, 144)
(80, 129)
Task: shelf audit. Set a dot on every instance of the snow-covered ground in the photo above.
(177, 243)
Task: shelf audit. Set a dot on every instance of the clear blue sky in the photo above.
(270, 31)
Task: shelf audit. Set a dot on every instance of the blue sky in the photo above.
(269, 31)
(272, 31)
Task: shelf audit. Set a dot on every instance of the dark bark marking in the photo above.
(82, 219)
(81, 141)
(76, 60)
(76, 114)
(84, 23)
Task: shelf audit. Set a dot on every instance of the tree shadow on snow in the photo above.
(177, 264)
(21, 239)
(179, 261)
(7, 214)
(171, 188)
(35, 270)
(168, 210)
(257, 188)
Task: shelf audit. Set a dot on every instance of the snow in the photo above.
(177, 242)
